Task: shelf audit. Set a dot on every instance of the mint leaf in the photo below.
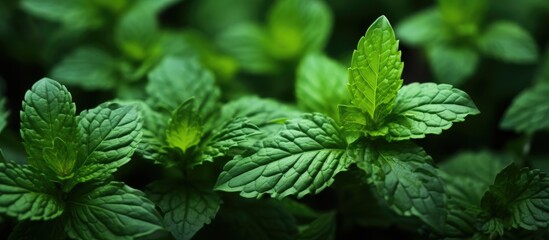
(25, 193)
(258, 219)
(509, 42)
(462, 14)
(187, 208)
(424, 28)
(529, 111)
(177, 80)
(229, 139)
(297, 27)
(403, 174)
(302, 158)
(374, 76)
(452, 64)
(320, 84)
(110, 211)
(321, 228)
(48, 117)
(53, 229)
(89, 68)
(428, 108)
(152, 143)
(110, 135)
(184, 128)
(519, 198)
(76, 14)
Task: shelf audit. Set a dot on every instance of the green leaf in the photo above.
(320, 84)
(528, 112)
(176, 80)
(354, 122)
(462, 12)
(248, 44)
(111, 134)
(77, 14)
(111, 211)
(89, 68)
(302, 158)
(322, 228)
(184, 128)
(428, 108)
(403, 174)
(25, 193)
(519, 198)
(3, 114)
(187, 208)
(451, 64)
(374, 76)
(49, 114)
(229, 139)
(424, 28)
(53, 229)
(509, 42)
(258, 219)
(297, 27)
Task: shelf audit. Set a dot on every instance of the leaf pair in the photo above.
(70, 161)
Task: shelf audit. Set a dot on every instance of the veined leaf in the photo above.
(508, 42)
(49, 114)
(320, 84)
(374, 76)
(177, 80)
(428, 108)
(187, 208)
(111, 211)
(230, 139)
(184, 129)
(25, 193)
(528, 112)
(302, 158)
(404, 176)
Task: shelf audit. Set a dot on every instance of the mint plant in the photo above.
(65, 190)
(454, 38)
(309, 151)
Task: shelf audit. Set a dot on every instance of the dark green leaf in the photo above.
(230, 139)
(452, 65)
(529, 112)
(424, 28)
(509, 42)
(322, 228)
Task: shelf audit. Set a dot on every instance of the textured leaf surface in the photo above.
(374, 76)
(88, 68)
(111, 134)
(428, 108)
(302, 158)
(452, 65)
(25, 193)
(229, 139)
(111, 211)
(49, 114)
(519, 198)
(403, 175)
(184, 128)
(154, 125)
(320, 84)
(529, 112)
(177, 80)
(187, 208)
(509, 42)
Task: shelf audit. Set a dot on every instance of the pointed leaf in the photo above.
(184, 129)
(509, 42)
(230, 139)
(529, 111)
(302, 158)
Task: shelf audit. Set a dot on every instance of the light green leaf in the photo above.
(184, 128)
(320, 84)
(403, 174)
(258, 219)
(229, 139)
(529, 111)
(176, 80)
(187, 208)
(25, 193)
(297, 27)
(3, 114)
(248, 44)
(322, 228)
(451, 64)
(30, 230)
(374, 76)
(519, 198)
(354, 121)
(111, 211)
(428, 108)
(424, 28)
(509, 42)
(77, 14)
(111, 134)
(49, 114)
(89, 68)
(302, 158)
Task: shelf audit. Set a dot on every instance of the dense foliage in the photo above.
(256, 119)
